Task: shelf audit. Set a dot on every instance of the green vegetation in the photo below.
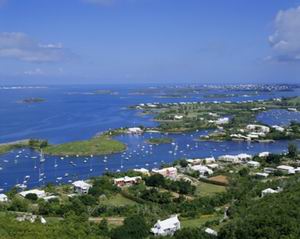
(208, 189)
(160, 141)
(118, 200)
(198, 221)
(4, 148)
(31, 143)
(96, 146)
(108, 211)
(197, 116)
(32, 100)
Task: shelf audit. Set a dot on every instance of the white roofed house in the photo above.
(3, 198)
(258, 128)
(127, 181)
(211, 231)
(170, 172)
(203, 170)
(230, 159)
(81, 187)
(134, 130)
(263, 154)
(178, 117)
(166, 227)
(222, 121)
(253, 164)
(278, 128)
(286, 169)
(37, 192)
(244, 157)
(270, 191)
(142, 170)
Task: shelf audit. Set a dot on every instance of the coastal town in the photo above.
(190, 196)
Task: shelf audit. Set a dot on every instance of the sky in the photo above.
(149, 41)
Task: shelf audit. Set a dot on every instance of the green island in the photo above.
(234, 201)
(105, 92)
(32, 100)
(100, 145)
(26, 143)
(160, 140)
(229, 119)
(6, 147)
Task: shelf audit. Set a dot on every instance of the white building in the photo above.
(269, 170)
(278, 128)
(244, 157)
(127, 181)
(253, 164)
(208, 160)
(142, 170)
(213, 165)
(134, 130)
(203, 170)
(258, 128)
(3, 198)
(222, 121)
(81, 187)
(39, 193)
(170, 172)
(270, 191)
(178, 117)
(211, 231)
(262, 175)
(229, 159)
(166, 227)
(263, 154)
(286, 169)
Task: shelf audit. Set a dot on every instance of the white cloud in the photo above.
(285, 41)
(17, 45)
(34, 72)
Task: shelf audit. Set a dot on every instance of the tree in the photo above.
(134, 227)
(155, 180)
(292, 150)
(103, 227)
(183, 163)
(31, 196)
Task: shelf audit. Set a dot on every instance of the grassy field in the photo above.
(197, 222)
(5, 148)
(118, 200)
(97, 146)
(207, 189)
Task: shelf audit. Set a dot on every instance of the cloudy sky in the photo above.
(149, 41)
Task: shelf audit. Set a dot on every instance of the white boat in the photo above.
(42, 158)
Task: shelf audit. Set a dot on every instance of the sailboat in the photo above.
(42, 158)
(55, 164)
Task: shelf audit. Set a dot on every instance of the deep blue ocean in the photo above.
(72, 113)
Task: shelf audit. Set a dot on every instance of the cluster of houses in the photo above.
(203, 166)
(255, 132)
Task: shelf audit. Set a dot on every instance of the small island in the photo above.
(160, 141)
(100, 145)
(32, 100)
